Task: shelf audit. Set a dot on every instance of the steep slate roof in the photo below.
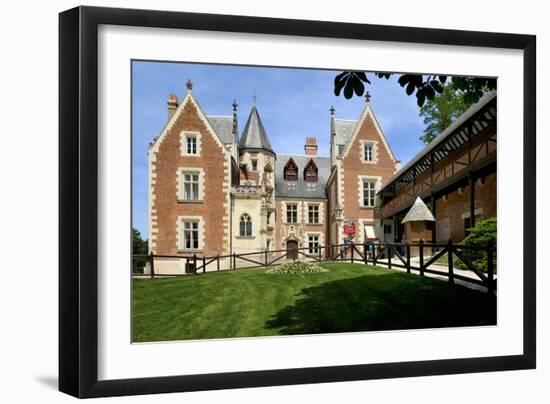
(418, 212)
(343, 130)
(254, 135)
(223, 126)
(301, 188)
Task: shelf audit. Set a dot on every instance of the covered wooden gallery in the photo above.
(455, 176)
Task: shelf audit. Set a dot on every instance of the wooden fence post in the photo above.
(352, 248)
(490, 269)
(195, 263)
(374, 254)
(408, 252)
(265, 256)
(450, 261)
(203, 264)
(390, 252)
(365, 253)
(421, 252)
(320, 253)
(218, 262)
(234, 261)
(152, 264)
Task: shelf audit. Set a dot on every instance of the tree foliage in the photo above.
(425, 87)
(441, 111)
(139, 247)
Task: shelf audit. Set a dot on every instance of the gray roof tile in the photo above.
(418, 212)
(254, 135)
(223, 126)
(301, 188)
(343, 130)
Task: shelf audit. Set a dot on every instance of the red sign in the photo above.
(349, 228)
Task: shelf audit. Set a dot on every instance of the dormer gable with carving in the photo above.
(311, 172)
(290, 171)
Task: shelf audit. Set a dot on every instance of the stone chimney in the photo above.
(311, 146)
(172, 105)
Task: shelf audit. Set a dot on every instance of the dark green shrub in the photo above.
(483, 234)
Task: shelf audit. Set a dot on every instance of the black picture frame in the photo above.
(78, 201)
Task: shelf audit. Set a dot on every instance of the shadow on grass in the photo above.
(386, 302)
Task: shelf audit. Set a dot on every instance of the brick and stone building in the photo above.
(215, 192)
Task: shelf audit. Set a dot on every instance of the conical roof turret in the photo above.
(254, 135)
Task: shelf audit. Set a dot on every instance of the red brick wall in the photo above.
(353, 167)
(459, 203)
(168, 159)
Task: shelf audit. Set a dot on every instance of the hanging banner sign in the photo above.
(349, 227)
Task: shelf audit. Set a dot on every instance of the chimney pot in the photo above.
(310, 146)
(172, 104)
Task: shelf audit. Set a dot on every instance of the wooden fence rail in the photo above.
(379, 254)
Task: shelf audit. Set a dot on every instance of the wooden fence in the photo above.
(379, 254)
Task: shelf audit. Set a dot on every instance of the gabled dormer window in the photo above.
(290, 171)
(369, 153)
(190, 143)
(310, 172)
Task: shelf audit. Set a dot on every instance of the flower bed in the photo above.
(296, 267)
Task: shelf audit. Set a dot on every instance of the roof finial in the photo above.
(332, 110)
(367, 97)
(189, 85)
(234, 105)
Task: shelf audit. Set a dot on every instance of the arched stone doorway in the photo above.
(291, 245)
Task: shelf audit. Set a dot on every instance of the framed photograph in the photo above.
(251, 202)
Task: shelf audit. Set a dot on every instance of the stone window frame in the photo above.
(180, 233)
(374, 145)
(181, 187)
(251, 235)
(318, 206)
(184, 135)
(311, 248)
(377, 180)
(294, 204)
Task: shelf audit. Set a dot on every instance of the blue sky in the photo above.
(293, 104)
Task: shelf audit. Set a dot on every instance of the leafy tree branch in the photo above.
(441, 111)
(425, 87)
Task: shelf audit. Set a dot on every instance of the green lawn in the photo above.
(350, 297)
